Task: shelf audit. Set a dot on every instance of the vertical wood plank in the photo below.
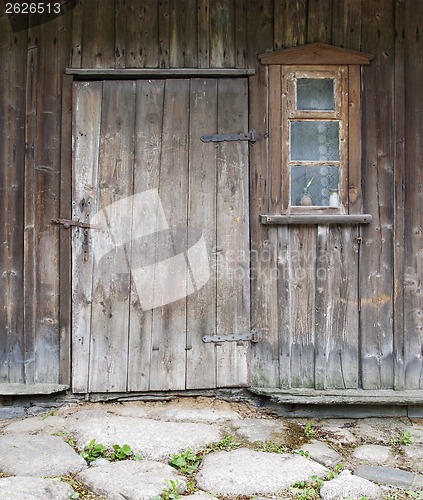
(111, 281)
(183, 34)
(203, 15)
(399, 193)
(346, 24)
(87, 101)
(413, 254)
(222, 34)
(12, 140)
(355, 196)
(76, 37)
(241, 33)
(65, 248)
(201, 306)
(376, 263)
(168, 361)
(54, 42)
(98, 34)
(29, 241)
(142, 34)
(148, 150)
(290, 23)
(336, 308)
(232, 238)
(164, 33)
(302, 299)
(121, 25)
(319, 21)
(264, 314)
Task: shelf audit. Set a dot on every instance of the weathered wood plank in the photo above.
(29, 242)
(87, 102)
(376, 261)
(148, 148)
(164, 33)
(399, 194)
(301, 316)
(290, 23)
(98, 34)
(319, 21)
(336, 308)
(413, 254)
(201, 306)
(241, 33)
(203, 16)
(222, 34)
(76, 37)
(232, 235)
(47, 187)
(12, 139)
(168, 360)
(111, 280)
(142, 32)
(264, 314)
(271, 219)
(183, 34)
(346, 24)
(122, 74)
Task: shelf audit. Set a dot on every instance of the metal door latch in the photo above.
(251, 136)
(252, 336)
(66, 223)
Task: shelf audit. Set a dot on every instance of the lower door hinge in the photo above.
(252, 336)
(251, 136)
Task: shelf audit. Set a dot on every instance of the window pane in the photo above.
(315, 141)
(315, 94)
(315, 186)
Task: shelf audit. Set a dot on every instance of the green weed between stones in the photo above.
(172, 489)
(94, 450)
(406, 439)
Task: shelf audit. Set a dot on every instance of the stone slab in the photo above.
(130, 480)
(347, 486)
(374, 453)
(257, 429)
(248, 472)
(33, 488)
(321, 453)
(154, 440)
(390, 476)
(21, 454)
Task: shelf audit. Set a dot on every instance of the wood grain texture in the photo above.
(413, 254)
(111, 280)
(376, 263)
(169, 337)
(87, 105)
(202, 210)
(148, 150)
(12, 140)
(232, 235)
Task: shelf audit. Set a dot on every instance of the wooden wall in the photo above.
(359, 323)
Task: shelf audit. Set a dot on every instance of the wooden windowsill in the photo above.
(318, 219)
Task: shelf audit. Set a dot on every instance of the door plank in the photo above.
(233, 284)
(111, 283)
(148, 148)
(169, 321)
(201, 306)
(86, 133)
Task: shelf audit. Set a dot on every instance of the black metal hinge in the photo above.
(251, 137)
(252, 336)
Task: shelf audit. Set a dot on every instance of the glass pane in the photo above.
(315, 186)
(315, 141)
(315, 94)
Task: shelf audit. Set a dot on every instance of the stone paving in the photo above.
(245, 452)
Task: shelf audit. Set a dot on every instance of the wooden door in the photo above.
(167, 259)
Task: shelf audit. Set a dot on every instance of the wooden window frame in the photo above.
(319, 60)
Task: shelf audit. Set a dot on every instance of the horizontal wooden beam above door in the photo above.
(134, 73)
